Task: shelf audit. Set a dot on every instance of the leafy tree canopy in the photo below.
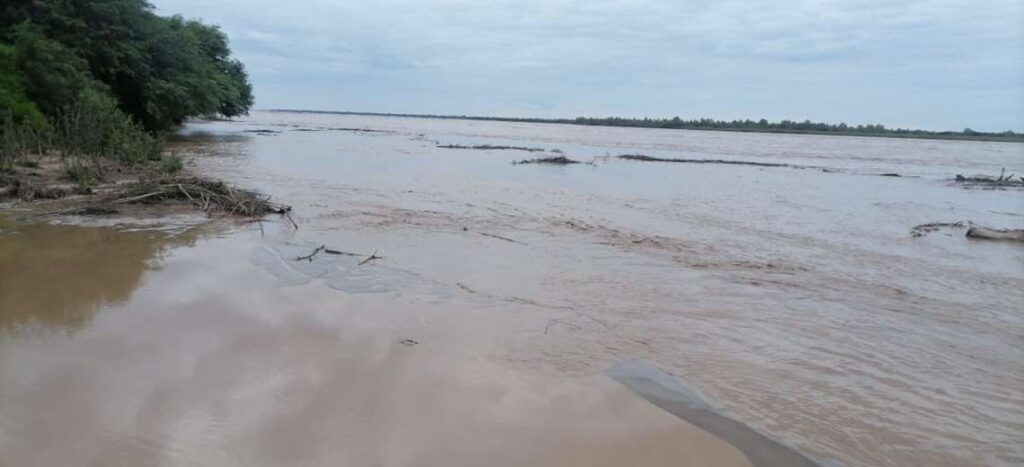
(160, 70)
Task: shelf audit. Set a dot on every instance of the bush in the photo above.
(93, 127)
(171, 164)
(82, 171)
(18, 140)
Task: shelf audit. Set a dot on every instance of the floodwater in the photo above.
(793, 303)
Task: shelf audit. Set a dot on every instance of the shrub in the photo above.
(94, 127)
(17, 140)
(171, 164)
(82, 171)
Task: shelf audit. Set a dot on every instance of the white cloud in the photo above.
(932, 63)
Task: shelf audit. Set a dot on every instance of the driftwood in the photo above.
(370, 258)
(310, 256)
(995, 234)
(489, 147)
(921, 230)
(1003, 180)
(643, 158)
(973, 231)
(330, 251)
(339, 252)
(359, 130)
(208, 195)
(287, 213)
(557, 160)
(499, 237)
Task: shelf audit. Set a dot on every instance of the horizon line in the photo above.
(575, 121)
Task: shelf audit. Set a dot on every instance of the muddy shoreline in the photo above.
(41, 188)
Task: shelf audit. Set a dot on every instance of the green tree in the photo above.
(55, 75)
(161, 70)
(15, 105)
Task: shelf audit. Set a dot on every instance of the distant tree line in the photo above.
(762, 125)
(784, 126)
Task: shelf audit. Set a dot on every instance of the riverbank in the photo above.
(45, 185)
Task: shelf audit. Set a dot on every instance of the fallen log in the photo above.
(995, 234)
(1003, 180)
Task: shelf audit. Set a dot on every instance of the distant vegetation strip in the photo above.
(758, 126)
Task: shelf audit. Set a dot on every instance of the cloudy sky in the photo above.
(934, 64)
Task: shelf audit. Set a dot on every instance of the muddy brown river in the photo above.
(602, 314)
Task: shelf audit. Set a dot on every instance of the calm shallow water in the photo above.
(795, 300)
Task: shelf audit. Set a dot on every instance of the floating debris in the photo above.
(921, 230)
(489, 147)
(1002, 180)
(206, 194)
(987, 233)
(643, 158)
(557, 160)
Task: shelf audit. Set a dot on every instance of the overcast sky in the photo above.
(934, 64)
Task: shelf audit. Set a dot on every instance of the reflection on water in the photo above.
(212, 361)
(59, 276)
(795, 300)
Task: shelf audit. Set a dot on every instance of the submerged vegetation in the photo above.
(98, 82)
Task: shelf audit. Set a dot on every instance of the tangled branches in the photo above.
(211, 196)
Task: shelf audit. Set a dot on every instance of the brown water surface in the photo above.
(794, 302)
